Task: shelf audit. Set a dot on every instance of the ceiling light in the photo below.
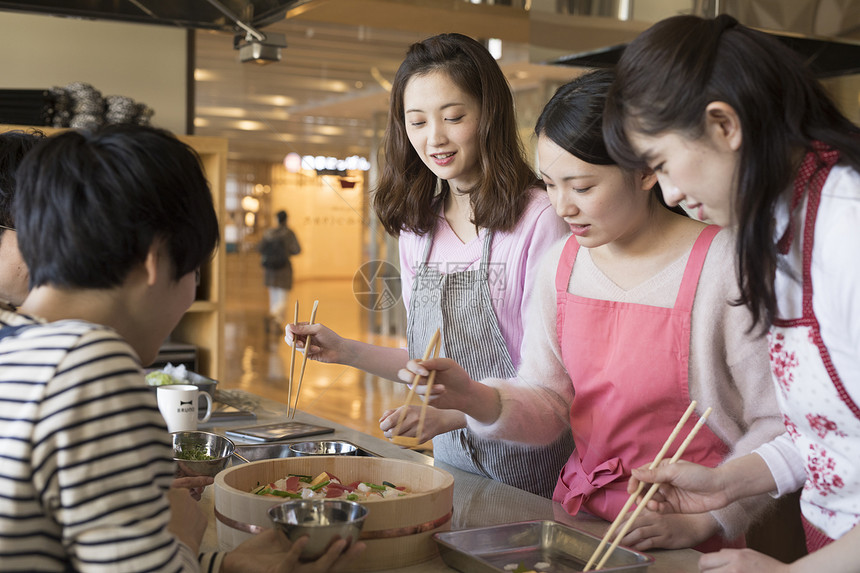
(247, 125)
(260, 51)
(494, 46)
(258, 47)
(275, 100)
(201, 75)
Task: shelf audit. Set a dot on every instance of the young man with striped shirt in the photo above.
(113, 226)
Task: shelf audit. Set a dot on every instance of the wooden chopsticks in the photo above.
(304, 362)
(292, 363)
(433, 347)
(678, 427)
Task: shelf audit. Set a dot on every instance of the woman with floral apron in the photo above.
(821, 416)
(787, 176)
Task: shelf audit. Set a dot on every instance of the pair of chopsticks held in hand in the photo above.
(653, 489)
(291, 412)
(406, 441)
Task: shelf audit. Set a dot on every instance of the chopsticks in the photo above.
(432, 347)
(292, 363)
(678, 427)
(304, 362)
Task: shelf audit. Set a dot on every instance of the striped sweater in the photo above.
(85, 458)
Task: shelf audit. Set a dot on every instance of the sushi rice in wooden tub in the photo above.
(398, 531)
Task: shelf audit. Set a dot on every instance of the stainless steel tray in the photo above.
(564, 549)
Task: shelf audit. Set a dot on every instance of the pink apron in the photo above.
(820, 416)
(629, 367)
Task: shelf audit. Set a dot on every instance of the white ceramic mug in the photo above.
(178, 405)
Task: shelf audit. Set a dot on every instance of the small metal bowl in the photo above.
(323, 448)
(218, 448)
(324, 521)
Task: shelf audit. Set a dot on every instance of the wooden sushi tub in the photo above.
(398, 531)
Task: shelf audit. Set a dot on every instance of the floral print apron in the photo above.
(820, 416)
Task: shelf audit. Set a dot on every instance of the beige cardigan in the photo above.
(729, 367)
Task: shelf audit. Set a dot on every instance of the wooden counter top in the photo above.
(478, 501)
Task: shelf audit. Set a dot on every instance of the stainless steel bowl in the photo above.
(323, 448)
(190, 444)
(324, 521)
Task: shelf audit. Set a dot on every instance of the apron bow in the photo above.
(598, 478)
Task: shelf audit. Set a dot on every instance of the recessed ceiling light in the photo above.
(201, 75)
(250, 125)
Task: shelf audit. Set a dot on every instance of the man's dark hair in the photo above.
(13, 146)
(90, 205)
(282, 217)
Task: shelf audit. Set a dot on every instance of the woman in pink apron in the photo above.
(756, 143)
(632, 321)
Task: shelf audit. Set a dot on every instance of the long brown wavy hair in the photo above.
(406, 198)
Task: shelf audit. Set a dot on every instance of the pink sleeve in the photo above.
(411, 248)
(521, 252)
(548, 229)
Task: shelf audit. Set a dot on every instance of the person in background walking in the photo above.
(276, 248)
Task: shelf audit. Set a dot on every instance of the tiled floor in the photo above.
(259, 362)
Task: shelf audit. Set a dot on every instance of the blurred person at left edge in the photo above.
(13, 271)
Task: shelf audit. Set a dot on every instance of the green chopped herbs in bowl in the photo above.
(201, 453)
(196, 452)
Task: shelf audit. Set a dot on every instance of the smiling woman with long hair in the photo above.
(472, 222)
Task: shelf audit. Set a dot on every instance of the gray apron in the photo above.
(459, 304)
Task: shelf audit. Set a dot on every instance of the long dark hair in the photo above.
(405, 198)
(670, 73)
(573, 120)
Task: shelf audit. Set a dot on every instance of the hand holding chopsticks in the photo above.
(650, 492)
(292, 414)
(433, 347)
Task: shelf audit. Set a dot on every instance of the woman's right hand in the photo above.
(450, 385)
(685, 487)
(453, 388)
(326, 344)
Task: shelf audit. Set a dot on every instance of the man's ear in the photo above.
(724, 125)
(153, 262)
